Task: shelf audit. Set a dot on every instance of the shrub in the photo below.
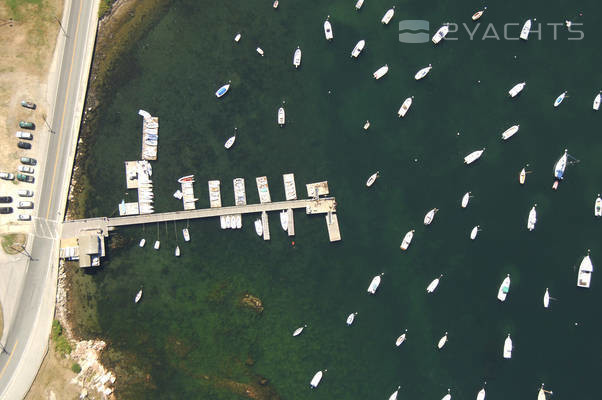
(76, 368)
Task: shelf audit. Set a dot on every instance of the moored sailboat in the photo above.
(428, 218)
(532, 218)
(358, 48)
(372, 179)
(222, 90)
(138, 296)
(401, 338)
(442, 342)
(374, 284)
(433, 285)
(508, 133)
(382, 71)
(407, 239)
(504, 289)
(508, 347)
(298, 331)
(596, 105)
(560, 166)
(465, 200)
(516, 89)
(474, 232)
(394, 394)
(423, 72)
(474, 156)
(559, 99)
(407, 103)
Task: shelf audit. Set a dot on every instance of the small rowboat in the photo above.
(516, 89)
(433, 285)
(382, 71)
(405, 107)
(428, 218)
(298, 331)
(223, 90)
(388, 16)
(230, 142)
(138, 296)
(372, 178)
(508, 133)
(401, 339)
(315, 381)
(351, 318)
(407, 239)
(465, 199)
(442, 341)
(474, 156)
(142, 242)
(423, 72)
(559, 99)
(478, 14)
(508, 347)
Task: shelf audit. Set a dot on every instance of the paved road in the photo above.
(24, 346)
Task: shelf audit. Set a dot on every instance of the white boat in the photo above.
(223, 90)
(186, 234)
(367, 125)
(428, 218)
(382, 71)
(259, 227)
(142, 242)
(478, 14)
(559, 99)
(474, 156)
(465, 199)
(598, 206)
(177, 251)
(508, 347)
(560, 165)
(407, 239)
(178, 194)
(358, 48)
(546, 298)
(586, 268)
(260, 51)
(315, 381)
(281, 116)
(275, 4)
(541, 395)
(532, 220)
(359, 4)
(516, 89)
(374, 284)
(442, 341)
(222, 221)
(394, 394)
(230, 142)
(474, 232)
(228, 221)
(372, 178)
(447, 396)
(401, 338)
(407, 103)
(508, 133)
(298, 331)
(388, 16)
(284, 220)
(481, 394)
(328, 29)
(440, 34)
(504, 288)
(138, 296)
(433, 285)
(597, 99)
(423, 72)
(297, 57)
(237, 37)
(351, 318)
(524, 33)
(157, 245)
(522, 176)
(238, 219)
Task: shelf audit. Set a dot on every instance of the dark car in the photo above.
(27, 125)
(6, 199)
(28, 161)
(25, 178)
(6, 210)
(24, 145)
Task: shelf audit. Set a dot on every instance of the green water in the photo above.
(189, 324)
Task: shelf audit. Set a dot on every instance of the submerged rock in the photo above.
(252, 302)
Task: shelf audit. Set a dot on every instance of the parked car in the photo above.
(25, 193)
(24, 145)
(28, 104)
(7, 176)
(24, 217)
(27, 125)
(25, 205)
(24, 135)
(29, 161)
(25, 168)
(6, 199)
(6, 210)
(25, 178)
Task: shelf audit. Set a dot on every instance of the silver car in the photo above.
(25, 205)
(25, 168)
(25, 193)
(7, 175)
(24, 217)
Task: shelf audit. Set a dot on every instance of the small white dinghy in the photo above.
(447, 396)
(259, 227)
(281, 116)
(428, 218)
(442, 341)
(142, 242)
(478, 14)
(584, 278)
(297, 57)
(157, 245)
(441, 33)
(315, 381)
(597, 99)
(474, 232)
(372, 179)
(394, 394)
(504, 289)
(546, 299)
(138, 296)
(388, 16)
(367, 125)
(524, 33)
(508, 347)
(222, 91)
(401, 338)
(598, 206)
(186, 234)
(474, 156)
(259, 51)
(465, 199)
(177, 251)
(532, 220)
(358, 48)
(351, 318)
(516, 89)
(359, 4)
(423, 72)
(433, 285)
(284, 220)
(230, 142)
(374, 284)
(298, 331)
(382, 71)
(508, 133)
(237, 37)
(328, 29)
(407, 239)
(407, 103)
(559, 99)
(481, 394)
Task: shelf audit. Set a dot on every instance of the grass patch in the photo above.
(105, 7)
(61, 344)
(16, 5)
(12, 242)
(76, 368)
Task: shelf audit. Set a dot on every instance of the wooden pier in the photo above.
(291, 223)
(266, 225)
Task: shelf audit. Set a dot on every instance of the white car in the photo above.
(24, 217)
(7, 176)
(24, 135)
(25, 204)
(25, 193)
(25, 168)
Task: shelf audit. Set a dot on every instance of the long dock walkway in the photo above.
(312, 206)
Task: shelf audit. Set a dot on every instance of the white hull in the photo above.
(405, 107)
(142, 242)
(508, 347)
(598, 207)
(222, 91)
(481, 394)
(374, 284)
(442, 341)
(238, 219)
(401, 339)
(372, 178)
(433, 285)
(186, 234)
(522, 176)
(297, 58)
(559, 99)
(367, 125)
(423, 72)
(222, 221)
(474, 232)
(284, 220)
(358, 48)
(560, 166)
(504, 289)
(298, 331)
(359, 4)
(328, 30)
(394, 394)
(388, 16)
(546, 299)
(229, 142)
(315, 381)
(382, 71)
(441, 33)
(428, 218)
(259, 51)
(351, 318)
(532, 220)
(477, 15)
(177, 251)
(258, 227)
(138, 296)
(585, 272)
(465, 199)
(281, 116)
(516, 89)
(237, 37)
(157, 245)
(508, 133)
(407, 240)
(524, 33)
(474, 156)
(596, 105)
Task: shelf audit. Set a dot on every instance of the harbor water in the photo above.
(190, 337)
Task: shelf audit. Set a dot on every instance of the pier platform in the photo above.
(263, 189)
(131, 174)
(266, 225)
(332, 223)
(317, 189)
(291, 223)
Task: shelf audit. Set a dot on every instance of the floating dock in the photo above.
(240, 195)
(332, 223)
(138, 177)
(215, 197)
(266, 225)
(263, 189)
(291, 223)
(150, 135)
(187, 190)
(131, 174)
(317, 189)
(290, 190)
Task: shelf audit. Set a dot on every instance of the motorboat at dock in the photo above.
(186, 234)
(284, 220)
(259, 227)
